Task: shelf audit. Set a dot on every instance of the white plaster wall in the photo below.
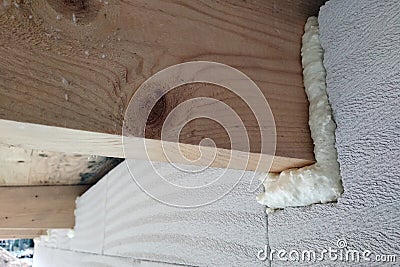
(362, 58)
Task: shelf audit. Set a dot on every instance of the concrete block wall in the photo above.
(361, 40)
(116, 219)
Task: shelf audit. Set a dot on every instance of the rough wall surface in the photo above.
(89, 220)
(362, 58)
(115, 218)
(228, 232)
(56, 257)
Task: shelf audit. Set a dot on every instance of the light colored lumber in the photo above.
(81, 74)
(20, 233)
(21, 166)
(33, 136)
(39, 207)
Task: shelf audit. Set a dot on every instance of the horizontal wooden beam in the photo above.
(52, 74)
(58, 139)
(39, 207)
(22, 167)
(20, 233)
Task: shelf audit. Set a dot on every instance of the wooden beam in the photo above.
(53, 74)
(21, 166)
(33, 136)
(20, 233)
(39, 207)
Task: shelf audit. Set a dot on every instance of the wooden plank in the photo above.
(81, 73)
(20, 233)
(39, 207)
(21, 166)
(49, 138)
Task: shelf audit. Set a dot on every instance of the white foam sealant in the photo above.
(320, 182)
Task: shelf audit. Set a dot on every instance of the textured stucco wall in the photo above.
(362, 58)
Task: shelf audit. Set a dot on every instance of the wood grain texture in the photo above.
(21, 233)
(39, 207)
(81, 73)
(37, 167)
(361, 43)
(50, 138)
